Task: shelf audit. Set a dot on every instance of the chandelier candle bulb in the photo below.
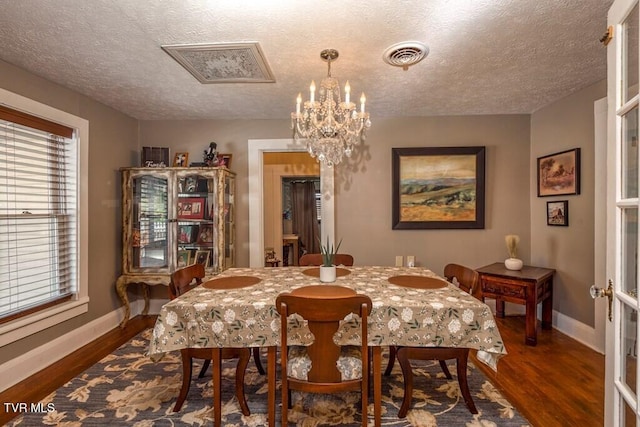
(298, 102)
(347, 92)
(363, 99)
(312, 90)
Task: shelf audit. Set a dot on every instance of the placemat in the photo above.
(421, 282)
(324, 291)
(315, 272)
(231, 282)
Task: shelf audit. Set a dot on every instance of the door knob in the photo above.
(599, 292)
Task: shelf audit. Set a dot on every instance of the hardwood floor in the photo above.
(560, 382)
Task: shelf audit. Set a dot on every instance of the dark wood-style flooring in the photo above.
(560, 382)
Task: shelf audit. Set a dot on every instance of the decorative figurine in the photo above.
(211, 155)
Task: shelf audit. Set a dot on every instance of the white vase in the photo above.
(513, 264)
(328, 274)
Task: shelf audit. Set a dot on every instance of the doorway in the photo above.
(301, 218)
(259, 222)
(280, 171)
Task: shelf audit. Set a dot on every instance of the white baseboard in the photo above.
(580, 332)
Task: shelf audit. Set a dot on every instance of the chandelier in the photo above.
(329, 127)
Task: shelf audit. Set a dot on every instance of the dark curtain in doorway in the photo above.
(305, 216)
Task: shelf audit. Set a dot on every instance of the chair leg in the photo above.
(461, 362)
(258, 362)
(286, 402)
(271, 381)
(216, 361)
(186, 380)
(364, 396)
(407, 373)
(445, 369)
(205, 366)
(243, 362)
(392, 358)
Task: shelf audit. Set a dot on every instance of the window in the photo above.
(41, 269)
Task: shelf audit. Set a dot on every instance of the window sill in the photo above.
(20, 328)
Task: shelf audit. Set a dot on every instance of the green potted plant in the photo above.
(328, 268)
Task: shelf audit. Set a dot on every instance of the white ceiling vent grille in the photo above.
(405, 54)
(223, 62)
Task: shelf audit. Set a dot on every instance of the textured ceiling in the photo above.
(485, 56)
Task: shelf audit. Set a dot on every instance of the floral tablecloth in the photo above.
(404, 316)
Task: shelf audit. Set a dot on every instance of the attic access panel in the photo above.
(223, 62)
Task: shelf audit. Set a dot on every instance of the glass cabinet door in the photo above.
(175, 217)
(149, 218)
(197, 230)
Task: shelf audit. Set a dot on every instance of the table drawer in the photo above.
(496, 287)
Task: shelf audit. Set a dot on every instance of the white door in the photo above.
(623, 203)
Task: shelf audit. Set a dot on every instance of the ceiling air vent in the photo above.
(405, 54)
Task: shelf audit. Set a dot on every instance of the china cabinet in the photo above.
(171, 218)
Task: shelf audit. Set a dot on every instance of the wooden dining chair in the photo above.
(468, 280)
(182, 281)
(323, 366)
(316, 260)
(465, 278)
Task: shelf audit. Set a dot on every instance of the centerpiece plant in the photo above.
(328, 268)
(328, 252)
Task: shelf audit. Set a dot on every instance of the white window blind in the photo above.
(38, 209)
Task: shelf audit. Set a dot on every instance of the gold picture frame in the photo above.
(180, 160)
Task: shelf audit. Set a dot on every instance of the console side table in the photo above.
(529, 286)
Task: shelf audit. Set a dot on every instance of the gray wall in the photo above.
(564, 125)
(111, 138)
(363, 187)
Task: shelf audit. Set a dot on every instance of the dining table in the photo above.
(412, 306)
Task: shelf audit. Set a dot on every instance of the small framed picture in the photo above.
(184, 258)
(187, 233)
(191, 207)
(181, 160)
(224, 160)
(205, 236)
(202, 257)
(559, 173)
(558, 213)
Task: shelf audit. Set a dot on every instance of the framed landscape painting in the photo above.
(559, 173)
(438, 187)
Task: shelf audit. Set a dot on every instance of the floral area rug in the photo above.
(128, 388)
